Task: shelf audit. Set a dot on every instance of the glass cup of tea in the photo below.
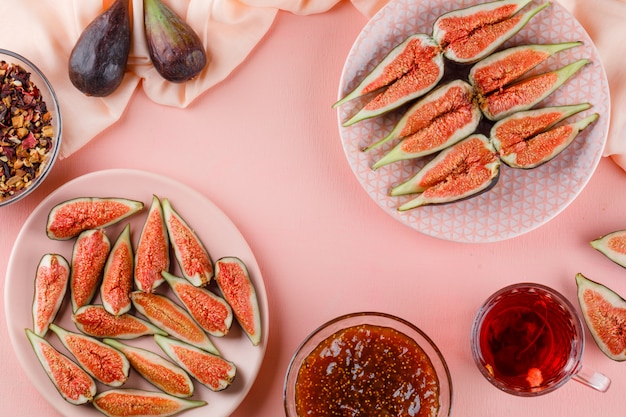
(527, 340)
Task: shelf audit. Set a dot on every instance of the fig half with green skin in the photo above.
(127, 402)
(604, 312)
(153, 251)
(537, 149)
(89, 255)
(161, 373)
(74, 384)
(613, 246)
(470, 34)
(464, 170)
(94, 320)
(97, 63)
(504, 67)
(211, 370)
(526, 93)
(51, 282)
(175, 49)
(117, 280)
(101, 361)
(68, 219)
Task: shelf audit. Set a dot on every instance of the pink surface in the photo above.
(264, 147)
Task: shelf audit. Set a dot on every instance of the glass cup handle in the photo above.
(592, 378)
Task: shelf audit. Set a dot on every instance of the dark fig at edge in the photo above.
(176, 51)
(98, 60)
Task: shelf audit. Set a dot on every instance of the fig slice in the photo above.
(68, 219)
(94, 320)
(51, 282)
(153, 252)
(504, 67)
(464, 170)
(543, 147)
(161, 373)
(101, 361)
(604, 312)
(526, 93)
(117, 280)
(211, 370)
(193, 259)
(171, 318)
(89, 256)
(74, 384)
(129, 402)
(613, 246)
(425, 124)
(470, 34)
(208, 309)
(233, 280)
(414, 72)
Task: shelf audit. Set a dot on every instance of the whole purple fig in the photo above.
(176, 51)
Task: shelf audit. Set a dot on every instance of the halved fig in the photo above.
(193, 258)
(171, 318)
(211, 370)
(208, 309)
(415, 69)
(101, 361)
(117, 280)
(161, 373)
(153, 252)
(464, 170)
(69, 218)
(613, 246)
(234, 282)
(504, 67)
(526, 93)
(95, 321)
(470, 34)
(51, 279)
(74, 384)
(441, 118)
(604, 312)
(128, 402)
(89, 255)
(537, 149)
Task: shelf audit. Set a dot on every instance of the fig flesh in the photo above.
(464, 170)
(101, 361)
(68, 219)
(161, 373)
(89, 256)
(233, 280)
(175, 49)
(97, 63)
(117, 280)
(470, 34)
(171, 318)
(604, 312)
(51, 282)
(613, 246)
(504, 67)
(411, 70)
(442, 118)
(209, 310)
(126, 402)
(152, 255)
(94, 320)
(74, 384)
(211, 370)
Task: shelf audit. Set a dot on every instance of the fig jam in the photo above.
(367, 370)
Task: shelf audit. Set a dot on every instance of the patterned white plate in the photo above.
(522, 200)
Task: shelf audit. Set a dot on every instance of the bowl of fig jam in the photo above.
(368, 364)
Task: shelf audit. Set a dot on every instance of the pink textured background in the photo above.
(264, 147)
